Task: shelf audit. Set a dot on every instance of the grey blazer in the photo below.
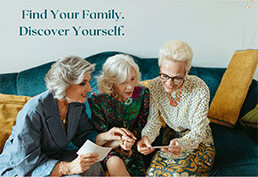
(38, 139)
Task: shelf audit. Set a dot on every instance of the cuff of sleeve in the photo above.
(151, 138)
(45, 169)
(92, 136)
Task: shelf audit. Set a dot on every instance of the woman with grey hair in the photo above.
(121, 102)
(183, 101)
(52, 119)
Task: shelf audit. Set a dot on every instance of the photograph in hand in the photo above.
(89, 147)
(157, 147)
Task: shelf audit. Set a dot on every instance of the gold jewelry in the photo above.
(63, 109)
(122, 142)
(172, 101)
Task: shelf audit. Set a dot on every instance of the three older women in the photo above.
(52, 119)
(121, 102)
(182, 100)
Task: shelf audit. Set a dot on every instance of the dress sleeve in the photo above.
(152, 128)
(25, 152)
(97, 115)
(199, 123)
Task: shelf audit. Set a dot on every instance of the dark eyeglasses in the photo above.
(176, 79)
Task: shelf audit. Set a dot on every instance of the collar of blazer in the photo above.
(54, 122)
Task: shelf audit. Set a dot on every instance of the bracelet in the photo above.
(62, 168)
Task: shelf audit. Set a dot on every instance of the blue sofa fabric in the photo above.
(8, 83)
(236, 149)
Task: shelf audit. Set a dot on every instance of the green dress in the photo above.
(131, 114)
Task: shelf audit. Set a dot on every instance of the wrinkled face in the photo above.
(174, 69)
(78, 92)
(125, 90)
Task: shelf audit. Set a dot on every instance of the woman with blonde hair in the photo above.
(183, 101)
(121, 102)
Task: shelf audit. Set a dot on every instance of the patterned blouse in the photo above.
(131, 114)
(190, 113)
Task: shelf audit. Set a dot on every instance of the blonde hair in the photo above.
(176, 50)
(116, 70)
(66, 71)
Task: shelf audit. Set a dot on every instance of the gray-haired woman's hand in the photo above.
(79, 165)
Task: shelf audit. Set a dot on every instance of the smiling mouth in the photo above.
(171, 87)
(84, 96)
(128, 93)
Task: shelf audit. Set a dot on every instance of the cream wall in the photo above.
(214, 29)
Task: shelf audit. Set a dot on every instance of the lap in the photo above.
(197, 163)
(134, 163)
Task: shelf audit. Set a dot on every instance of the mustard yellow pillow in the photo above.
(231, 93)
(251, 118)
(146, 84)
(10, 105)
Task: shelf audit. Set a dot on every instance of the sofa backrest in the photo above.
(31, 82)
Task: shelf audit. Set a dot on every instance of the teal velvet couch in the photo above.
(236, 148)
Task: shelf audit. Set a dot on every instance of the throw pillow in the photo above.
(251, 118)
(230, 95)
(146, 84)
(10, 105)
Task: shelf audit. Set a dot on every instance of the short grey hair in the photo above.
(176, 50)
(116, 70)
(66, 71)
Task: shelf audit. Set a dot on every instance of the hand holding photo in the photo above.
(89, 147)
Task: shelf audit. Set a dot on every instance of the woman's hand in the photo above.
(115, 134)
(79, 165)
(126, 143)
(144, 146)
(175, 147)
(83, 163)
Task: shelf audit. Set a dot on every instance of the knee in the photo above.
(114, 160)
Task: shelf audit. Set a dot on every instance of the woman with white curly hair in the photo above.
(121, 102)
(50, 121)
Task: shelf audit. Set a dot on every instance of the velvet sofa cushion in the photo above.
(236, 153)
(31, 82)
(251, 118)
(8, 83)
(10, 105)
(234, 86)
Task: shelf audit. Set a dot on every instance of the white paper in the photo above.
(89, 147)
(163, 146)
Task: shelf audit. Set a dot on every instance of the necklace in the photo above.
(63, 109)
(172, 101)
